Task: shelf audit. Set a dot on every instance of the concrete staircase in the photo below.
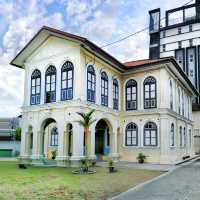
(50, 163)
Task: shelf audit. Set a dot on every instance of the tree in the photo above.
(18, 133)
(85, 122)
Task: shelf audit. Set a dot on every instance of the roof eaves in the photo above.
(163, 61)
(79, 38)
(145, 64)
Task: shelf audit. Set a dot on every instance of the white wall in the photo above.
(56, 51)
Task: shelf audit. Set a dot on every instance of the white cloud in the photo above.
(22, 25)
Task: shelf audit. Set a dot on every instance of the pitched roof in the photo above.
(131, 65)
(137, 63)
(46, 31)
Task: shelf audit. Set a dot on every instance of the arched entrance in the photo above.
(49, 143)
(102, 140)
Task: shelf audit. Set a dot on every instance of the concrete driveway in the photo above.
(181, 184)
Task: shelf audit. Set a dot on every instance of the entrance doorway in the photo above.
(102, 140)
(49, 139)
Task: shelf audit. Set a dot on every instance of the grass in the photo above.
(60, 183)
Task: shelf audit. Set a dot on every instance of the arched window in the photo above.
(115, 94)
(188, 107)
(181, 136)
(104, 89)
(35, 87)
(150, 92)
(179, 102)
(131, 95)
(172, 136)
(150, 134)
(183, 104)
(67, 81)
(91, 83)
(184, 137)
(131, 135)
(54, 137)
(50, 84)
(171, 95)
(190, 138)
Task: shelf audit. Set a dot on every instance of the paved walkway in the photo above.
(181, 184)
(147, 166)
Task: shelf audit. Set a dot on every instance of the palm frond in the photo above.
(81, 114)
(86, 118)
(91, 112)
(91, 122)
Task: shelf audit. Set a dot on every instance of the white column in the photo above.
(23, 150)
(163, 133)
(110, 92)
(98, 87)
(163, 91)
(83, 83)
(92, 142)
(58, 85)
(114, 143)
(37, 144)
(61, 128)
(77, 146)
(65, 144)
(42, 86)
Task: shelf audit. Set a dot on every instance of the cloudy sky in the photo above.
(101, 21)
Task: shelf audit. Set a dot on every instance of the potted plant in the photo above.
(53, 155)
(93, 163)
(84, 165)
(141, 158)
(111, 166)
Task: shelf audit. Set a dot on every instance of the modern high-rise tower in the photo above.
(178, 35)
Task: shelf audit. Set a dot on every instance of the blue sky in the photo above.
(101, 21)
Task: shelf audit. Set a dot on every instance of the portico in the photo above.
(63, 141)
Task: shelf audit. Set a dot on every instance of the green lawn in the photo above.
(60, 183)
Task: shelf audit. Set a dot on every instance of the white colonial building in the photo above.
(142, 106)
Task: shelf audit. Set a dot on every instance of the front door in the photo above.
(99, 143)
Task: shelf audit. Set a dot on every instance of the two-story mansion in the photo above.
(140, 106)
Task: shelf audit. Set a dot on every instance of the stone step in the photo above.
(49, 162)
